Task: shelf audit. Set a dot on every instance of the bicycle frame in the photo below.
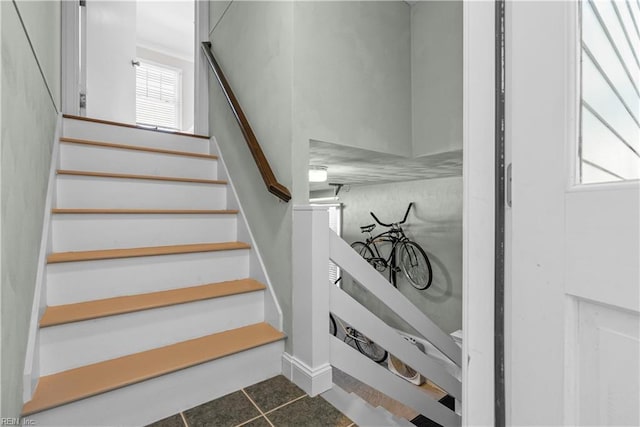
(347, 331)
(396, 237)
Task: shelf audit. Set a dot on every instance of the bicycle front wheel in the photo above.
(367, 347)
(415, 265)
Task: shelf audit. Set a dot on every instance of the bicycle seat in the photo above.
(367, 228)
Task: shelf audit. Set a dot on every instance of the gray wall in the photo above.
(28, 117)
(435, 222)
(352, 67)
(253, 44)
(344, 72)
(436, 76)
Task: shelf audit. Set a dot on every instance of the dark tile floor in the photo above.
(275, 402)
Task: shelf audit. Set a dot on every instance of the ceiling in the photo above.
(167, 27)
(353, 166)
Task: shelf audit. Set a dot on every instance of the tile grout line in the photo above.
(248, 421)
(184, 419)
(285, 404)
(257, 407)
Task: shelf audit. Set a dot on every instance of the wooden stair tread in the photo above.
(57, 257)
(136, 148)
(86, 381)
(129, 125)
(145, 211)
(133, 176)
(68, 313)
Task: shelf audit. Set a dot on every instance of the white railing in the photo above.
(315, 351)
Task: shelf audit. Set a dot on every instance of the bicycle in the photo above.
(364, 345)
(414, 262)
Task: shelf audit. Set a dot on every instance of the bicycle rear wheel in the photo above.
(363, 250)
(367, 253)
(333, 330)
(367, 347)
(415, 265)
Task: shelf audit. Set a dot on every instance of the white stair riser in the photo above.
(77, 344)
(158, 398)
(80, 232)
(102, 159)
(80, 129)
(89, 280)
(88, 192)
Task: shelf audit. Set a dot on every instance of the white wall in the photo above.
(28, 117)
(436, 76)
(435, 222)
(253, 44)
(187, 80)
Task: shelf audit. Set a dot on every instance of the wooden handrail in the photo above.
(268, 177)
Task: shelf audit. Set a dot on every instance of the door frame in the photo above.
(70, 52)
(70, 58)
(479, 112)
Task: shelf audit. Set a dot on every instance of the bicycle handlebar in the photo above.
(406, 214)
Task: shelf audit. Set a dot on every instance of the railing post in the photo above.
(309, 366)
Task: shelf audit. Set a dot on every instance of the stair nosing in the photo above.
(143, 177)
(135, 303)
(88, 211)
(131, 126)
(119, 146)
(103, 254)
(80, 376)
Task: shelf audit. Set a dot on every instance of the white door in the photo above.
(572, 308)
(110, 49)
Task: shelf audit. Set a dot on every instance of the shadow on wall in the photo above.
(435, 222)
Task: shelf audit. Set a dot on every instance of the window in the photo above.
(335, 223)
(610, 103)
(158, 96)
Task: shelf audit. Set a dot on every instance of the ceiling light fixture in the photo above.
(317, 173)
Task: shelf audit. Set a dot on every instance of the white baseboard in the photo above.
(31, 372)
(312, 380)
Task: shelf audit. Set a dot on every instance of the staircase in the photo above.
(154, 299)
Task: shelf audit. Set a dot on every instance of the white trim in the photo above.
(310, 298)
(257, 270)
(201, 77)
(70, 53)
(312, 380)
(31, 373)
(478, 213)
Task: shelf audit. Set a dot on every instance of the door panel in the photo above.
(607, 359)
(573, 249)
(110, 48)
(602, 229)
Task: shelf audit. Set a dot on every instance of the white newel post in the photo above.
(309, 365)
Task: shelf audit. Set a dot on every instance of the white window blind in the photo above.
(158, 95)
